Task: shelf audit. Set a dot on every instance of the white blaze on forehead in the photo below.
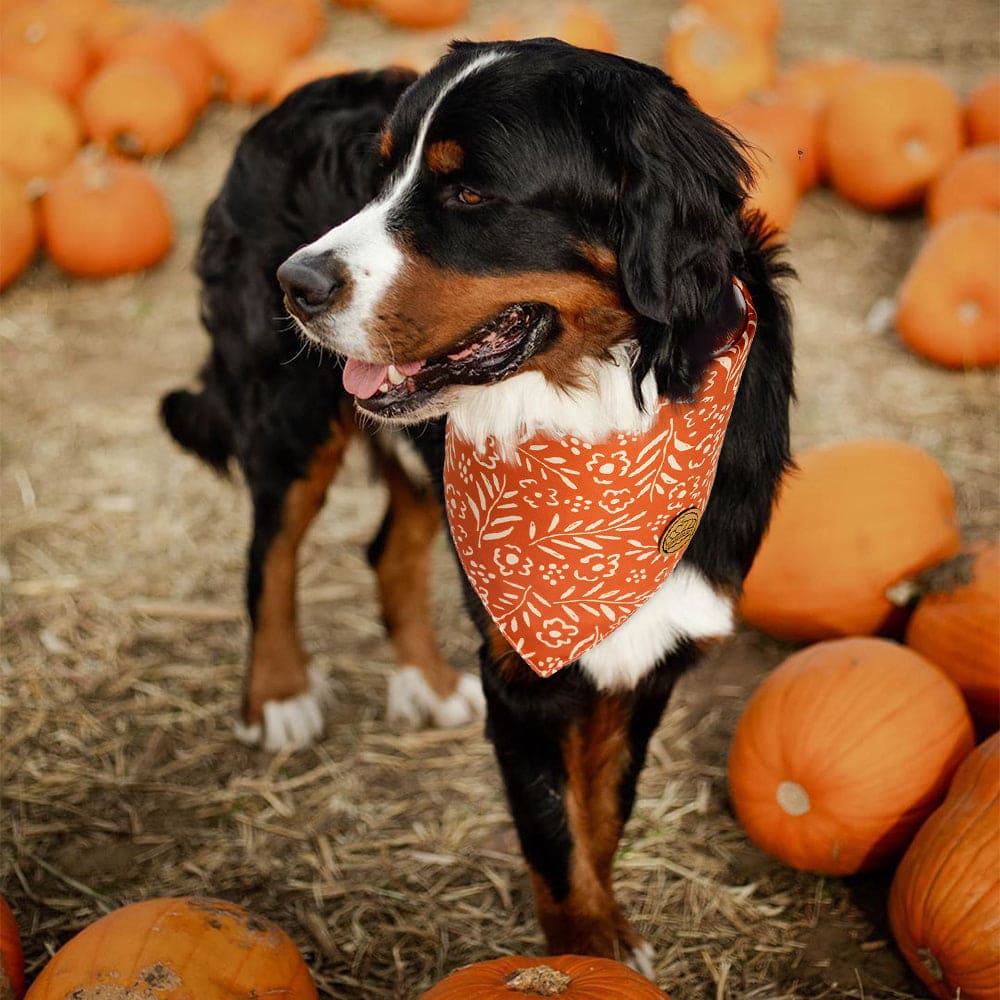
(364, 246)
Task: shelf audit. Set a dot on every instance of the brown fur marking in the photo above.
(429, 310)
(595, 754)
(278, 661)
(385, 144)
(403, 573)
(445, 156)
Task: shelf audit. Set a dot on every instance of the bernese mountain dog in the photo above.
(529, 241)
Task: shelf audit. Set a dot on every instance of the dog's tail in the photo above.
(200, 422)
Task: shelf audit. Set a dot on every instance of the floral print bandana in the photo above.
(564, 542)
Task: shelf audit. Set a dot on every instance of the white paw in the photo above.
(412, 700)
(292, 723)
(641, 960)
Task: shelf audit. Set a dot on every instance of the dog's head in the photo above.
(541, 203)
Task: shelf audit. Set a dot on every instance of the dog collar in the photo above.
(567, 539)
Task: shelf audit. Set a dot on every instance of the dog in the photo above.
(553, 248)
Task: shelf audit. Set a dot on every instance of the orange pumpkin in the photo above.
(948, 306)
(944, 904)
(843, 751)
(40, 134)
(569, 977)
(958, 629)
(814, 81)
(972, 181)
(139, 107)
(35, 45)
(299, 72)
(888, 133)
(758, 17)
(584, 27)
(245, 51)
(715, 63)
(18, 229)
(171, 43)
(422, 13)
(180, 948)
(775, 192)
(116, 22)
(785, 129)
(300, 21)
(982, 112)
(11, 955)
(851, 520)
(80, 16)
(104, 216)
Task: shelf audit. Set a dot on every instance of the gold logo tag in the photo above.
(680, 531)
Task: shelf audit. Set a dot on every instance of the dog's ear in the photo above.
(681, 185)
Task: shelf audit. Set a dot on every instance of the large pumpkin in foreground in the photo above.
(178, 949)
(944, 906)
(569, 977)
(851, 520)
(958, 629)
(843, 751)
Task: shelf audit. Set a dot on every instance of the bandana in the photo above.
(567, 539)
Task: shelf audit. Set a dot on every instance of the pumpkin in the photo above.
(956, 625)
(35, 45)
(972, 181)
(944, 904)
(139, 107)
(422, 13)
(352, 4)
(301, 22)
(299, 72)
(888, 133)
(245, 52)
(171, 43)
(584, 27)
(775, 191)
(116, 22)
(11, 955)
(784, 128)
(40, 134)
(18, 229)
(758, 17)
(570, 977)
(948, 306)
(715, 63)
(504, 29)
(982, 112)
(851, 520)
(843, 751)
(180, 948)
(80, 16)
(104, 216)
(814, 81)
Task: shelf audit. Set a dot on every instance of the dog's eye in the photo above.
(466, 196)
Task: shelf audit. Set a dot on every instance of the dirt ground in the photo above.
(390, 856)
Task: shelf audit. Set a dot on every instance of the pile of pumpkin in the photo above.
(844, 754)
(886, 137)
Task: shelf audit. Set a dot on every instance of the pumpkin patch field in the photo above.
(383, 859)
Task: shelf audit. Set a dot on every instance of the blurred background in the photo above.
(389, 857)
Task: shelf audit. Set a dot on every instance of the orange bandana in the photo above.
(566, 541)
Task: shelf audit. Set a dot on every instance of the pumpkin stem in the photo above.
(128, 143)
(97, 173)
(940, 579)
(931, 964)
(793, 798)
(539, 980)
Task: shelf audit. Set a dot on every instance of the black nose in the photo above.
(310, 283)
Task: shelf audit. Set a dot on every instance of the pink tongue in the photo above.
(362, 378)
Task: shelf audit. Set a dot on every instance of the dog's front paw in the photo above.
(413, 702)
(641, 959)
(291, 723)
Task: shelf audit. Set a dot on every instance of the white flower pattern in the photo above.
(563, 543)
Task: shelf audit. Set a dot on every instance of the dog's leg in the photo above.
(570, 757)
(282, 703)
(424, 688)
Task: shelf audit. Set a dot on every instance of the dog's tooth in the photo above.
(394, 376)
(384, 387)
